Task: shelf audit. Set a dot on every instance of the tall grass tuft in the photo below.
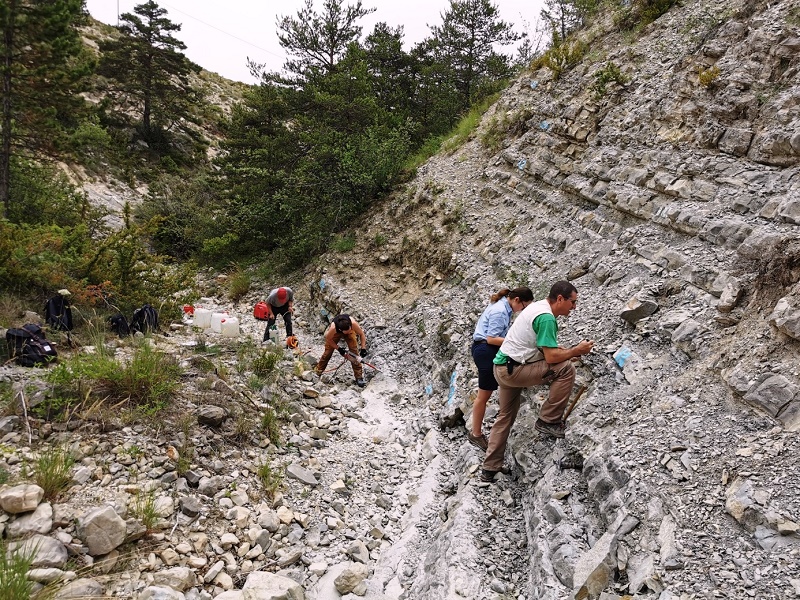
(271, 479)
(149, 380)
(14, 567)
(270, 425)
(53, 471)
(265, 363)
(144, 509)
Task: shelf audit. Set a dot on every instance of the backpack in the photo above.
(29, 346)
(144, 319)
(58, 314)
(119, 325)
(260, 311)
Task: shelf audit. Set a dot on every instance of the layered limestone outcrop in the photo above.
(671, 202)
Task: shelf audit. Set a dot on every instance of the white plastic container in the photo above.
(230, 327)
(202, 318)
(216, 321)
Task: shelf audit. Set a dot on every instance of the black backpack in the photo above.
(144, 319)
(119, 325)
(58, 314)
(29, 346)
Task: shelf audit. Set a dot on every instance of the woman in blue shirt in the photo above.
(489, 333)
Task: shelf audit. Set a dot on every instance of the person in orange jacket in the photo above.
(344, 327)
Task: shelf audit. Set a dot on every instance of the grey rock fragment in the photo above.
(637, 309)
(81, 589)
(786, 317)
(211, 415)
(21, 498)
(102, 530)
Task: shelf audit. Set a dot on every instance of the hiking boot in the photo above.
(555, 430)
(360, 382)
(479, 441)
(487, 476)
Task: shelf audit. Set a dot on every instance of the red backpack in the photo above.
(260, 311)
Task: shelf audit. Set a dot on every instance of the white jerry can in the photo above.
(216, 321)
(202, 318)
(230, 327)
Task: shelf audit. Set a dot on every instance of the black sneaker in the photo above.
(479, 441)
(362, 383)
(487, 476)
(555, 430)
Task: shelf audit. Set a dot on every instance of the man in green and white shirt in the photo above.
(530, 356)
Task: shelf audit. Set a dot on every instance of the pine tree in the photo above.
(42, 65)
(146, 71)
(564, 16)
(317, 41)
(465, 41)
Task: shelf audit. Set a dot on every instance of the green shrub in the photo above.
(467, 125)
(243, 427)
(429, 148)
(53, 239)
(186, 449)
(182, 211)
(238, 283)
(53, 471)
(255, 383)
(41, 195)
(512, 124)
(6, 389)
(344, 243)
(90, 136)
(150, 379)
(610, 73)
(561, 57)
(707, 77)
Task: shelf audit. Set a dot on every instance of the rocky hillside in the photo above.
(671, 201)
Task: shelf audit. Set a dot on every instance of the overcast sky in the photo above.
(221, 34)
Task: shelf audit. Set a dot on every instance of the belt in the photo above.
(478, 342)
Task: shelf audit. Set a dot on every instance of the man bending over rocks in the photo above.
(530, 356)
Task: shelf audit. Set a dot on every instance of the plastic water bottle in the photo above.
(273, 334)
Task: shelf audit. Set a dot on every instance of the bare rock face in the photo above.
(677, 474)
